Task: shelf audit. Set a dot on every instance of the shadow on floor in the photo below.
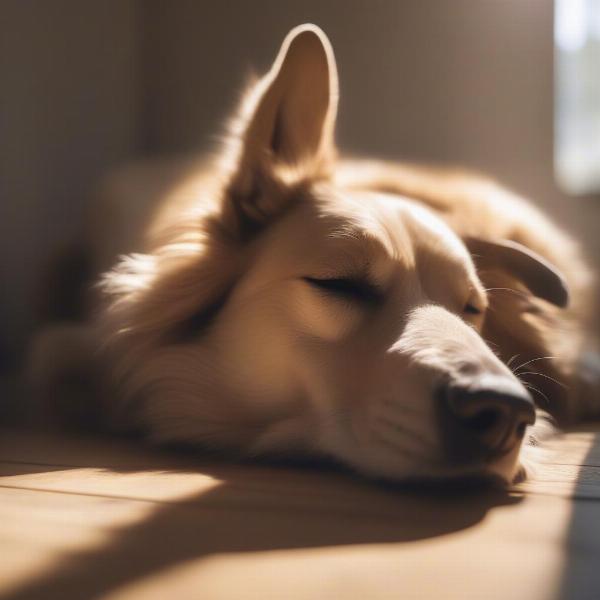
(258, 508)
(581, 577)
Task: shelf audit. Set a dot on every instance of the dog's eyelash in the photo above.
(355, 289)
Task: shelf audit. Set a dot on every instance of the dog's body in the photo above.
(283, 301)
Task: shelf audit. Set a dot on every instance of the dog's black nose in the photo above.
(486, 419)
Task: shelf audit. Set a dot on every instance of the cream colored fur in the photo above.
(214, 332)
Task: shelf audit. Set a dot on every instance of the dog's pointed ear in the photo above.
(542, 278)
(289, 117)
(294, 118)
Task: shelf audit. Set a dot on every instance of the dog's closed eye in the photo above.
(471, 309)
(349, 288)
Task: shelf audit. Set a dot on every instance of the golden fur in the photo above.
(221, 330)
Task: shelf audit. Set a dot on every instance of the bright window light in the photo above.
(577, 95)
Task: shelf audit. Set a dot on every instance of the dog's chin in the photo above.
(501, 473)
(484, 475)
(465, 478)
(512, 468)
(467, 482)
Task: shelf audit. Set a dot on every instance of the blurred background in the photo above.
(88, 85)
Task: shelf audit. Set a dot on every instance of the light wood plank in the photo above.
(119, 521)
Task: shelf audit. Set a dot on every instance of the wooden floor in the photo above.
(95, 518)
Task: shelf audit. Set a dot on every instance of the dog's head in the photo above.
(302, 315)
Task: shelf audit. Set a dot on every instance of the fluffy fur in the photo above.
(224, 328)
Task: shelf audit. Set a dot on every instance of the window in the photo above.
(577, 95)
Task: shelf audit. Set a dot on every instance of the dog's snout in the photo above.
(488, 419)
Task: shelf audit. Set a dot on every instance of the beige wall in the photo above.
(460, 81)
(92, 83)
(68, 111)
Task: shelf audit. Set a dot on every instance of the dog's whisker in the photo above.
(562, 385)
(511, 359)
(531, 387)
(490, 343)
(517, 369)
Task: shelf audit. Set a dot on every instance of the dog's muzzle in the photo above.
(485, 419)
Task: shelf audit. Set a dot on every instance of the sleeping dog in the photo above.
(277, 300)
